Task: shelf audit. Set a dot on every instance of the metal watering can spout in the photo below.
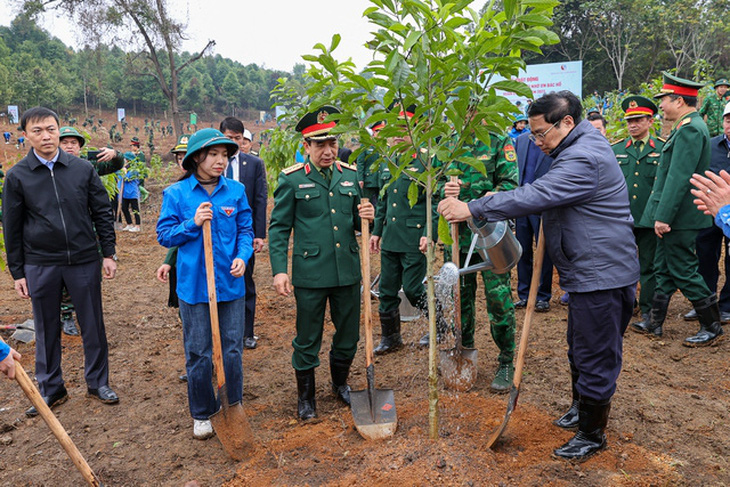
(496, 244)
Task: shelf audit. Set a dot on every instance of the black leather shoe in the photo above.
(724, 317)
(542, 306)
(425, 339)
(249, 343)
(69, 327)
(52, 401)
(104, 393)
(183, 378)
(520, 303)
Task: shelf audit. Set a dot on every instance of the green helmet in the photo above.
(71, 132)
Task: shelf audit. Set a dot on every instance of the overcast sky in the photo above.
(270, 33)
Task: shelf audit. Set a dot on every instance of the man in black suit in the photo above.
(531, 164)
(249, 170)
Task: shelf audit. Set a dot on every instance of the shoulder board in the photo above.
(293, 168)
(684, 122)
(618, 141)
(348, 166)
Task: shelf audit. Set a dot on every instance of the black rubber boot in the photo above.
(590, 438)
(710, 332)
(340, 369)
(390, 339)
(306, 405)
(569, 420)
(659, 307)
(643, 322)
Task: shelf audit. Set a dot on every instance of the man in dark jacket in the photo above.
(54, 209)
(250, 171)
(588, 234)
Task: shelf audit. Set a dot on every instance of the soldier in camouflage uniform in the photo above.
(500, 164)
(714, 105)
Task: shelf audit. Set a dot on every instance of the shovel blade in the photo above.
(379, 421)
(459, 368)
(232, 429)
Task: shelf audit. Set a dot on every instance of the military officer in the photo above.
(368, 178)
(500, 164)
(320, 201)
(400, 235)
(638, 156)
(714, 105)
(676, 222)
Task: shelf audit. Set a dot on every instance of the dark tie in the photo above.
(639, 146)
(326, 173)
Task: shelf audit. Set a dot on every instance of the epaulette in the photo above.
(618, 141)
(291, 169)
(685, 122)
(348, 166)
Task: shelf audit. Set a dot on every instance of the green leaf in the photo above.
(517, 87)
(534, 19)
(400, 74)
(411, 40)
(335, 41)
(445, 231)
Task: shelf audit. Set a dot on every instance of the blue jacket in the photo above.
(585, 210)
(231, 231)
(131, 184)
(4, 351)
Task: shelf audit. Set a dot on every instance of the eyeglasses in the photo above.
(541, 136)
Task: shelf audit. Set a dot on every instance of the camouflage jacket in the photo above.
(500, 164)
(713, 107)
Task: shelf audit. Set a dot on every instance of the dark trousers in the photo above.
(345, 313)
(596, 324)
(250, 298)
(646, 243)
(676, 266)
(134, 202)
(398, 269)
(709, 250)
(527, 229)
(45, 284)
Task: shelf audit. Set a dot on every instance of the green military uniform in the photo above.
(500, 163)
(639, 160)
(325, 257)
(366, 176)
(686, 151)
(401, 227)
(713, 107)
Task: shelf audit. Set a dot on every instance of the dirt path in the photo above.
(669, 422)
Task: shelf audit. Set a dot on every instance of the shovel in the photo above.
(230, 422)
(57, 429)
(458, 365)
(531, 299)
(373, 410)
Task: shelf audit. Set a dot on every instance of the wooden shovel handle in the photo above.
(220, 374)
(530, 311)
(455, 259)
(365, 271)
(57, 429)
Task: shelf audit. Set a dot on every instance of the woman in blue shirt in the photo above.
(203, 194)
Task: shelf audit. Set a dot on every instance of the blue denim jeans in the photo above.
(199, 353)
